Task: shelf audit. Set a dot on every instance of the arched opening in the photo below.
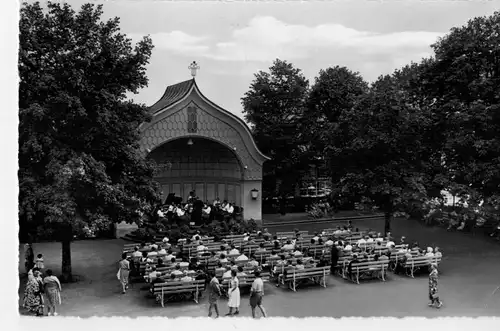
(197, 164)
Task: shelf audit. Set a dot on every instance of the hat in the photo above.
(165, 240)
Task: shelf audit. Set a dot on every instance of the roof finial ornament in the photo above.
(194, 67)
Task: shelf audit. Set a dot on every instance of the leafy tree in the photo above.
(377, 149)
(464, 80)
(78, 135)
(275, 105)
(334, 92)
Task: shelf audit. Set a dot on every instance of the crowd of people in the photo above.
(333, 246)
(194, 210)
(43, 288)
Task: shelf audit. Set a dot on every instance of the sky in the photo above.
(232, 40)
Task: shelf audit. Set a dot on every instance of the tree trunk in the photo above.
(67, 275)
(283, 206)
(388, 219)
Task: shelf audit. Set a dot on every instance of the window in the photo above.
(192, 123)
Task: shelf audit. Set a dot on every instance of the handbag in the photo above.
(118, 274)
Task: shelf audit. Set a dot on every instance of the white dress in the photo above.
(234, 296)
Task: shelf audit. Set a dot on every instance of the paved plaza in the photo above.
(470, 273)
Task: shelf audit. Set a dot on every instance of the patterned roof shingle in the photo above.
(172, 94)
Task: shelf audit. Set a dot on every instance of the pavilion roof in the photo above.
(172, 94)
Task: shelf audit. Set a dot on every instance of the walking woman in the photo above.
(33, 300)
(433, 288)
(123, 272)
(234, 294)
(53, 292)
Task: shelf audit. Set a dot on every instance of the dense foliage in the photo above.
(78, 135)
(400, 141)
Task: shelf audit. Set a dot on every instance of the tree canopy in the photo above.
(78, 134)
(274, 105)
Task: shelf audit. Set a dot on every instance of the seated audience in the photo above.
(177, 271)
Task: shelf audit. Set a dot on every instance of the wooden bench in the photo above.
(170, 288)
(369, 269)
(290, 234)
(131, 247)
(245, 282)
(262, 257)
(416, 263)
(318, 275)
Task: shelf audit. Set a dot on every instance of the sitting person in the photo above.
(347, 247)
(177, 271)
(186, 278)
(196, 236)
(169, 256)
(145, 258)
(213, 257)
(234, 266)
(430, 252)
(274, 254)
(154, 246)
(152, 275)
(300, 265)
(200, 247)
(223, 258)
(233, 250)
(162, 250)
(220, 270)
(242, 257)
(329, 242)
(261, 248)
(297, 252)
(252, 262)
(160, 264)
(205, 212)
(222, 250)
(309, 264)
(240, 273)
(227, 273)
(153, 252)
(437, 252)
(136, 253)
(288, 246)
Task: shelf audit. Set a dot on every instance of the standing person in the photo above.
(52, 291)
(213, 295)
(234, 294)
(433, 288)
(39, 262)
(334, 258)
(123, 272)
(33, 300)
(256, 294)
(29, 257)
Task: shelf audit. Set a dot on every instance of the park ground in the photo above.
(470, 274)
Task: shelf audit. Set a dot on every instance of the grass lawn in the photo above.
(470, 273)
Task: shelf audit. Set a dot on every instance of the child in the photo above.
(39, 261)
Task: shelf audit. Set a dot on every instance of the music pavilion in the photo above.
(198, 146)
